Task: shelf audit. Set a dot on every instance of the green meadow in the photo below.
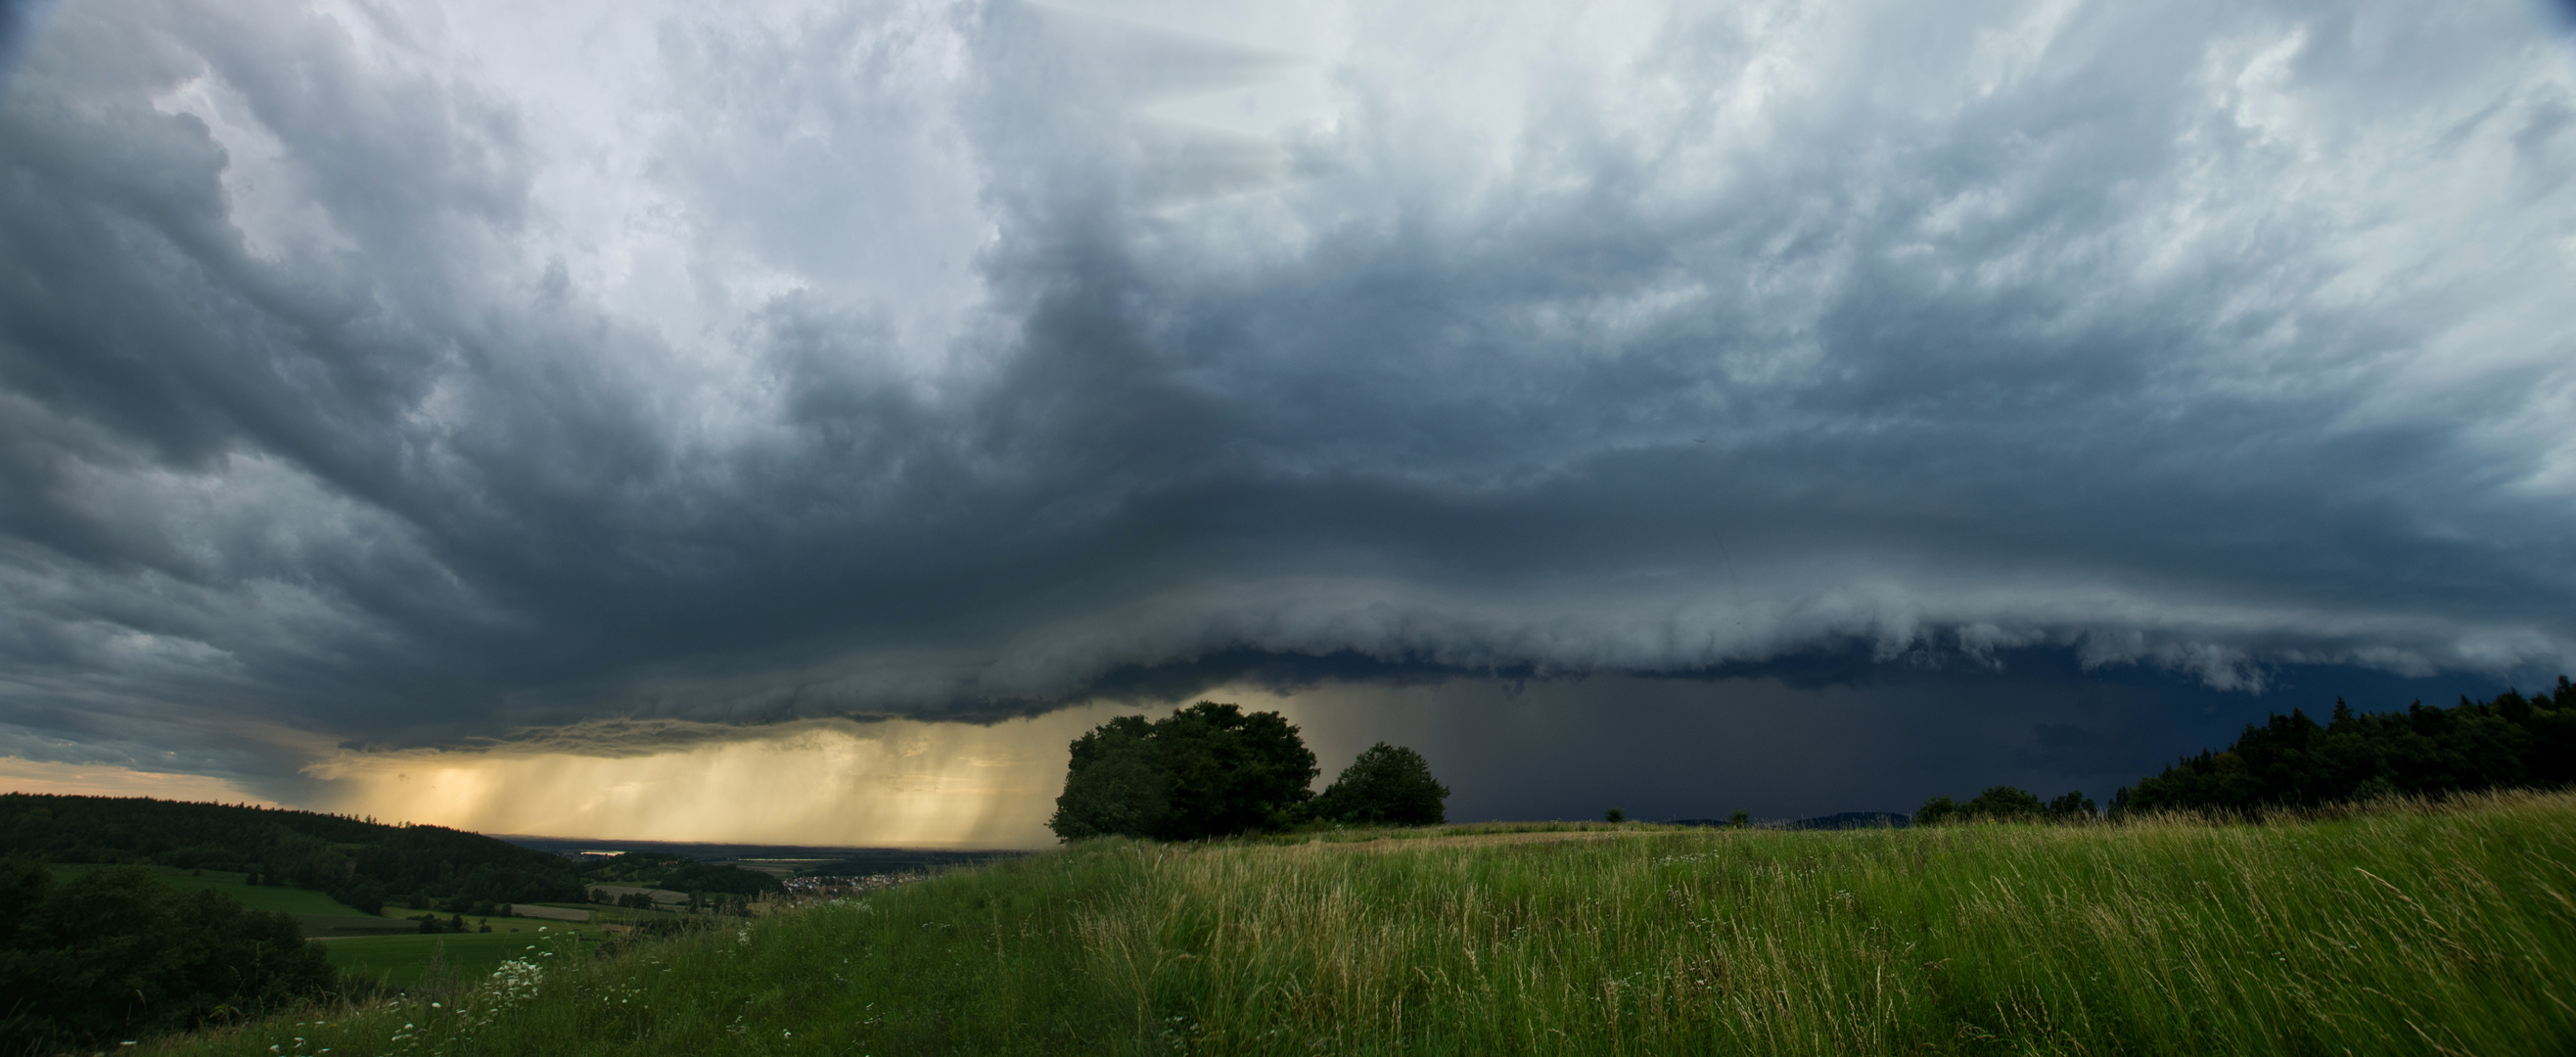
(256, 897)
(387, 949)
(409, 960)
(2402, 929)
(318, 914)
(405, 962)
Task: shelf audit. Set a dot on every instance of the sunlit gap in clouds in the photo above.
(822, 782)
(897, 782)
(905, 783)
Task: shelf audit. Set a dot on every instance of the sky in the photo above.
(794, 422)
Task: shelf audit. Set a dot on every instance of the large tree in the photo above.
(1388, 785)
(1114, 785)
(1207, 770)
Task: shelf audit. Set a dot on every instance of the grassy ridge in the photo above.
(2409, 930)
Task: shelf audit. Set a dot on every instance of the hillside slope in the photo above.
(2394, 931)
(357, 862)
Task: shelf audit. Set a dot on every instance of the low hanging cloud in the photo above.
(396, 376)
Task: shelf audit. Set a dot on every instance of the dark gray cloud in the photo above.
(1815, 737)
(404, 376)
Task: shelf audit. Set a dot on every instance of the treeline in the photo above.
(116, 952)
(2506, 742)
(1213, 770)
(363, 864)
(2004, 803)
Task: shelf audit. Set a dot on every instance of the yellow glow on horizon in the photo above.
(88, 779)
(825, 782)
(903, 783)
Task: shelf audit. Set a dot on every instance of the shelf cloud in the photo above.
(377, 378)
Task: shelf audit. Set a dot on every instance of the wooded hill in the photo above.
(358, 862)
(2507, 742)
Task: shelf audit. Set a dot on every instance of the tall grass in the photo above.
(2418, 929)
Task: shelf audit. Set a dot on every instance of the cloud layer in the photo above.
(398, 376)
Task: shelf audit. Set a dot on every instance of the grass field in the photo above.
(382, 948)
(318, 914)
(256, 897)
(2409, 930)
(402, 963)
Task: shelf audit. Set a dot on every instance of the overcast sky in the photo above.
(381, 377)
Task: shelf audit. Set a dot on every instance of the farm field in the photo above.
(603, 914)
(2403, 930)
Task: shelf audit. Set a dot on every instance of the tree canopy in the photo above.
(117, 950)
(1388, 785)
(1207, 770)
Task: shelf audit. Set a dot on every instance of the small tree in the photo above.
(2072, 807)
(1739, 818)
(1935, 811)
(1388, 785)
(1614, 815)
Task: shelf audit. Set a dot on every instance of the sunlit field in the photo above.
(2411, 929)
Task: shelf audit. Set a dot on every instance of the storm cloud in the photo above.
(399, 376)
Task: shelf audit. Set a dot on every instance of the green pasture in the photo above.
(318, 914)
(2401, 929)
(256, 897)
(404, 962)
